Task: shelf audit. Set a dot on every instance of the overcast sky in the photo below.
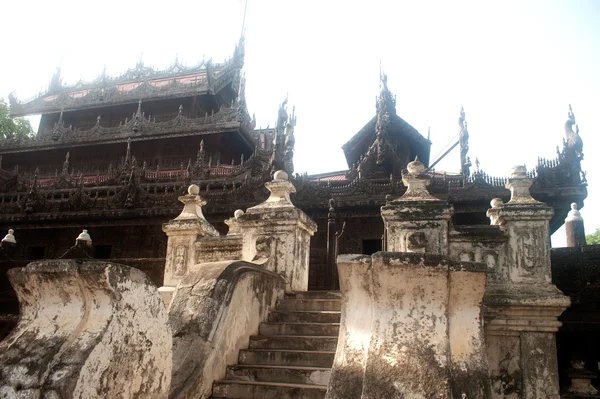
(514, 65)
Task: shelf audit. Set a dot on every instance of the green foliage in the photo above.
(13, 128)
(593, 238)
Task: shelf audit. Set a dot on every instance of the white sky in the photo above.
(514, 65)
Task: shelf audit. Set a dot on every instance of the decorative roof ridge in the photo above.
(139, 124)
(139, 74)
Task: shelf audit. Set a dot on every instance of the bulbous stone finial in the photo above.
(415, 167)
(193, 189)
(574, 214)
(9, 238)
(280, 175)
(238, 213)
(84, 238)
(496, 203)
(519, 184)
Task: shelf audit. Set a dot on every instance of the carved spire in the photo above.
(58, 126)
(55, 82)
(288, 156)
(65, 168)
(240, 50)
(128, 153)
(282, 115)
(201, 154)
(463, 138)
(138, 117)
(385, 100)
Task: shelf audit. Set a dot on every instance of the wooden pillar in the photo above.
(330, 280)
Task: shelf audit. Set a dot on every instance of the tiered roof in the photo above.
(376, 143)
(139, 83)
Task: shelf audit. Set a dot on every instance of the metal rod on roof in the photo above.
(442, 156)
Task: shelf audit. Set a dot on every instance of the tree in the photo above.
(593, 238)
(13, 128)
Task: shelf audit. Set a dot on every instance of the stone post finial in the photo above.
(238, 213)
(193, 204)
(519, 185)
(84, 238)
(280, 175)
(193, 190)
(494, 212)
(280, 188)
(9, 238)
(573, 214)
(416, 182)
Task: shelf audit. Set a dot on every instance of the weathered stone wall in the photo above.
(87, 329)
(214, 310)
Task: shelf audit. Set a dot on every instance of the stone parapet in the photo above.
(88, 329)
(216, 307)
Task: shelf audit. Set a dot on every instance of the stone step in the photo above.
(314, 295)
(286, 374)
(296, 342)
(315, 316)
(266, 390)
(321, 329)
(309, 304)
(281, 357)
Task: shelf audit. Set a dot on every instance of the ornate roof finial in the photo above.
(385, 101)
(128, 153)
(56, 81)
(428, 132)
(574, 144)
(282, 116)
(463, 139)
(65, 168)
(571, 114)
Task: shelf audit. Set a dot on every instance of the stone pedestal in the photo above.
(279, 230)
(522, 303)
(417, 221)
(411, 326)
(182, 233)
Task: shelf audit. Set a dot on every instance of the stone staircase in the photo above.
(293, 353)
